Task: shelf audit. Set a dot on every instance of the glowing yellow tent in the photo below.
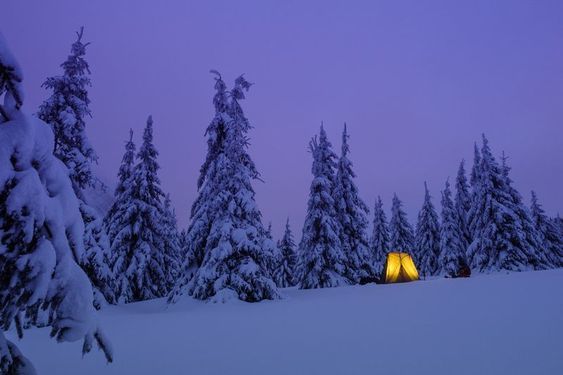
(399, 268)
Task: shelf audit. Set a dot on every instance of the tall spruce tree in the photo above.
(118, 221)
(463, 204)
(284, 274)
(203, 210)
(122, 191)
(352, 214)
(141, 263)
(400, 230)
(96, 260)
(549, 233)
(235, 262)
(427, 237)
(452, 243)
(503, 237)
(474, 184)
(538, 255)
(66, 111)
(41, 230)
(474, 177)
(379, 242)
(322, 262)
(272, 251)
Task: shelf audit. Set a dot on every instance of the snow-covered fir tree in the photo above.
(452, 243)
(400, 231)
(538, 258)
(427, 237)
(203, 210)
(474, 185)
(474, 177)
(379, 242)
(352, 214)
(97, 261)
(66, 111)
(549, 233)
(272, 250)
(119, 218)
(463, 204)
(122, 192)
(322, 262)
(235, 257)
(503, 235)
(139, 248)
(284, 274)
(41, 230)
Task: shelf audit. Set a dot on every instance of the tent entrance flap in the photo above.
(399, 268)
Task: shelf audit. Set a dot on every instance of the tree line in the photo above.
(53, 241)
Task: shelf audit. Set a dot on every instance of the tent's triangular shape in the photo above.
(399, 268)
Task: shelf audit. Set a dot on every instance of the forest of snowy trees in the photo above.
(62, 260)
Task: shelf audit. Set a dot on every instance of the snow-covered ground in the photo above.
(489, 324)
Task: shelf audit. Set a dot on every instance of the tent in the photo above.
(399, 268)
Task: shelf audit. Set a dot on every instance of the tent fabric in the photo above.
(399, 268)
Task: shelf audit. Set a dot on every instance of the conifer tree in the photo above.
(538, 255)
(379, 243)
(122, 192)
(427, 238)
(452, 245)
(474, 178)
(203, 210)
(400, 230)
(97, 261)
(66, 111)
(549, 233)
(474, 184)
(235, 260)
(41, 231)
(322, 263)
(504, 238)
(272, 251)
(463, 204)
(141, 256)
(284, 274)
(119, 218)
(352, 215)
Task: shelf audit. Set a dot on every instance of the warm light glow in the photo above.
(400, 268)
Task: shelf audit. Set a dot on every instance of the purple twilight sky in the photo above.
(416, 81)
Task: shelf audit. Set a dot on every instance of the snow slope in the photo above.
(489, 324)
